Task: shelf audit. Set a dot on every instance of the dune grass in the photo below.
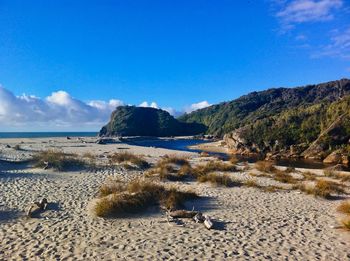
(57, 160)
(219, 180)
(138, 195)
(309, 176)
(346, 223)
(282, 176)
(323, 188)
(213, 165)
(344, 207)
(251, 183)
(265, 166)
(127, 157)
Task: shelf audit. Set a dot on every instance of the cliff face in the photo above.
(311, 121)
(140, 121)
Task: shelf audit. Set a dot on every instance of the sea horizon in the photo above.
(46, 134)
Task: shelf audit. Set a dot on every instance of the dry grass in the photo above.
(344, 207)
(138, 195)
(284, 177)
(173, 159)
(57, 160)
(271, 188)
(112, 186)
(323, 188)
(126, 157)
(346, 223)
(251, 183)
(219, 180)
(233, 159)
(309, 176)
(336, 175)
(265, 166)
(212, 166)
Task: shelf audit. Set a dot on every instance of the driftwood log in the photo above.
(207, 222)
(182, 214)
(37, 207)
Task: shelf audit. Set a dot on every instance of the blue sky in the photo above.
(82, 58)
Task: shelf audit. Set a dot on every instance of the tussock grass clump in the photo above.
(212, 166)
(125, 157)
(344, 207)
(173, 159)
(57, 160)
(346, 223)
(233, 159)
(284, 177)
(323, 188)
(271, 188)
(265, 166)
(251, 183)
(204, 154)
(308, 176)
(219, 180)
(138, 195)
(329, 173)
(113, 186)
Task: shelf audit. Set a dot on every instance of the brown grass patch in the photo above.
(57, 160)
(138, 195)
(346, 223)
(309, 176)
(323, 188)
(219, 180)
(284, 177)
(127, 157)
(173, 159)
(344, 207)
(212, 166)
(251, 183)
(265, 166)
(271, 188)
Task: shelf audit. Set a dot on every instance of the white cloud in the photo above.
(59, 110)
(197, 106)
(338, 46)
(146, 104)
(301, 11)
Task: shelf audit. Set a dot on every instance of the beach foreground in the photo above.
(249, 223)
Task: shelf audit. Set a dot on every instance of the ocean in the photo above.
(4, 135)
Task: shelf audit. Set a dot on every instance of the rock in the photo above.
(100, 141)
(334, 158)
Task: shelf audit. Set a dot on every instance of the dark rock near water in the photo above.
(141, 121)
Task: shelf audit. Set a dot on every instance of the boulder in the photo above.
(334, 158)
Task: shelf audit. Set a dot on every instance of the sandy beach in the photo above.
(250, 224)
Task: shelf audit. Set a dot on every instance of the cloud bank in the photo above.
(60, 111)
(296, 12)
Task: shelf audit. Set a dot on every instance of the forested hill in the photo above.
(283, 116)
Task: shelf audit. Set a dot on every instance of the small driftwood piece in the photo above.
(182, 214)
(207, 222)
(37, 207)
(47, 164)
(199, 218)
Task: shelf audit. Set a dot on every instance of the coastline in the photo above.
(251, 222)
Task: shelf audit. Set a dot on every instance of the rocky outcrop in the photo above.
(141, 121)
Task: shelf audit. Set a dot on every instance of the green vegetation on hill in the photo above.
(287, 115)
(140, 121)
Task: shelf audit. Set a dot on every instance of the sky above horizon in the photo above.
(65, 65)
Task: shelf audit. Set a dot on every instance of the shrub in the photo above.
(265, 166)
(123, 157)
(219, 180)
(57, 160)
(344, 207)
(139, 194)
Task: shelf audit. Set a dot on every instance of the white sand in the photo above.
(251, 224)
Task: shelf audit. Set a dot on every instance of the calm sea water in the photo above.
(45, 134)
